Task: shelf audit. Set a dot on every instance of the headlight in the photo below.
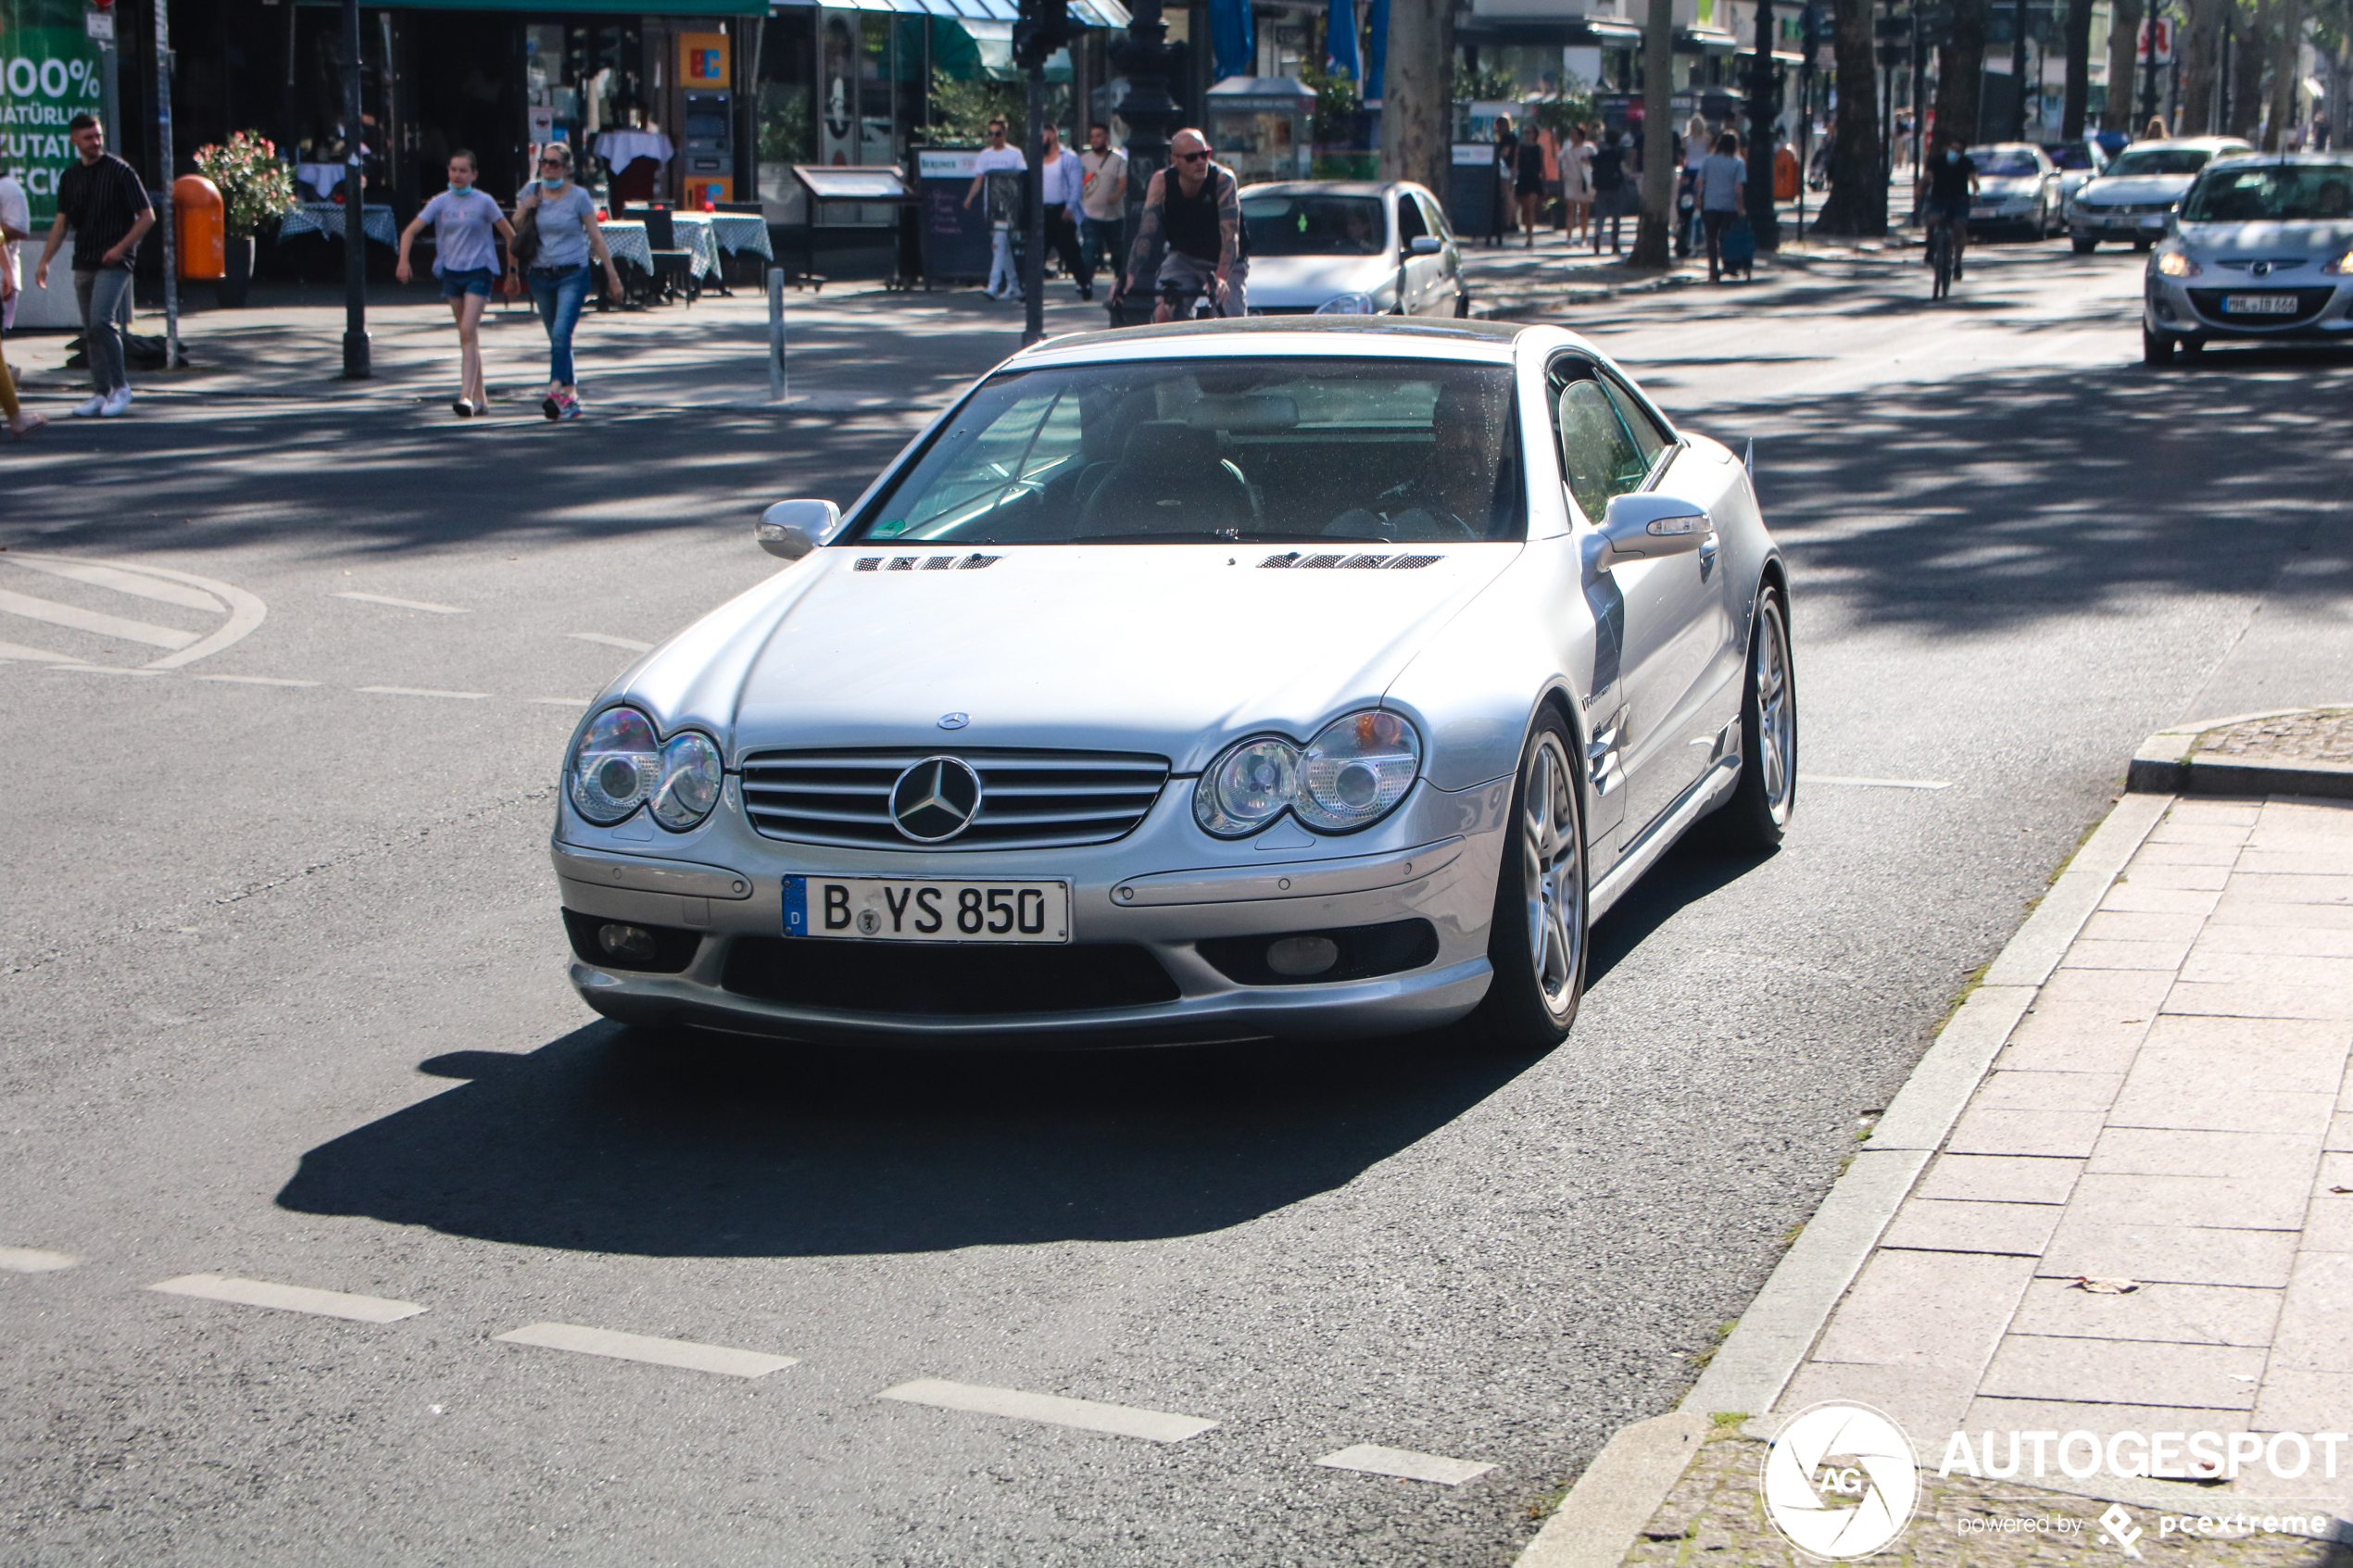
(1350, 775)
(2174, 264)
(620, 764)
(2341, 264)
(1347, 305)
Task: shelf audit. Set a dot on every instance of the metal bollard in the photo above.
(776, 334)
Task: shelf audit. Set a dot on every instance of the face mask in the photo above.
(456, 189)
(555, 185)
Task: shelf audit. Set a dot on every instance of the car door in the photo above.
(1664, 624)
(1445, 284)
(1413, 271)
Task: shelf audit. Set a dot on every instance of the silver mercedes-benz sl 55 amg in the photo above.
(1201, 683)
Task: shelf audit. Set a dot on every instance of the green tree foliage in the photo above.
(961, 110)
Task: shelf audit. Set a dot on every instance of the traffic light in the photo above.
(1042, 28)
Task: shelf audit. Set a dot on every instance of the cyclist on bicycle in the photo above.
(1952, 181)
(1190, 241)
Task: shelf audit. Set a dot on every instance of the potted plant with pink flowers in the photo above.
(257, 190)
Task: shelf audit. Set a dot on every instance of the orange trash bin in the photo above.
(203, 220)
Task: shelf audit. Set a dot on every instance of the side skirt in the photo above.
(1704, 793)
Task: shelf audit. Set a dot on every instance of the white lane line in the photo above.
(632, 644)
(644, 1348)
(33, 1261)
(403, 603)
(1874, 783)
(289, 1299)
(1374, 1460)
(81, 669)
(560, 701)
(123, 582)
(423, 690)
(258, 680)
(95, 621)
(1124, 1421)
(18, 650)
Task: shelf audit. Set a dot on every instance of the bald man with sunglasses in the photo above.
(1190, 239)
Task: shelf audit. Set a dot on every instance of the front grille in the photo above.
(2309, 304)
(945, 980)
(1028, 800)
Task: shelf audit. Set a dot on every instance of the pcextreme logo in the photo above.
(1840, 1481)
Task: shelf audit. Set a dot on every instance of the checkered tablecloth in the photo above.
(326, 217)
(741, 231)
(626, 240)
(693, 233)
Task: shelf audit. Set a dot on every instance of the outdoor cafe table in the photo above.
(327, 218)
(737, 231)
(626, 239)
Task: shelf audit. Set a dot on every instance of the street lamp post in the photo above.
(2017, 71)
(2148, 79)
(355, 238)
(1146, 60)
(1764, 109)
(164, 166)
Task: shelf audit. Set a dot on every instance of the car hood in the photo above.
(2137, 188)
(2009, 187)
(1173, 649)
(2278, 242)
(1311, 280)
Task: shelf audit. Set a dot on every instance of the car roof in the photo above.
(2214, 142)
(1423, 337)
(1328, 187)
(2264, 160)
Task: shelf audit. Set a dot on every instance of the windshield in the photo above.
(2292, 193)
(2007, 162)
(2158, 160)
(1216, 450)
(1315, 225)
(2070, 155)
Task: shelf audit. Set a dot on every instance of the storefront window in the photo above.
(787, 110)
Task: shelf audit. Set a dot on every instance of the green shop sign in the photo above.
(48, 74)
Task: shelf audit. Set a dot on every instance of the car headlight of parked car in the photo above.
(2175, 264)
(1347, 305)
(1350, 776)
(622, 764)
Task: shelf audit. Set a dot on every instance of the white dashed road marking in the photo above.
(33, 1261)
(403, 603)
(289, 1299)
(1405, 1464)
(643, 1348)
(559, 701)
(1124, 1421)
(423, 690)
(1874, 783)
(258, 680)
(632, 644)
(97, 622)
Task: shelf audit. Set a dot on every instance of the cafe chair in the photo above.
(674, 272)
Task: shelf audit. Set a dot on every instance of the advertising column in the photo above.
(48, 74)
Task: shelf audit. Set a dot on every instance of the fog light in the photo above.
(1300, 955)
(633, 943)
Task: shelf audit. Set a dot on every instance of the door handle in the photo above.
(1707, 548)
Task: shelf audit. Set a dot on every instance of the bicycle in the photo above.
(1188, 305)
(1940, 256)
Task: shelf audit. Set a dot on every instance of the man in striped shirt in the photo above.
(105, 204)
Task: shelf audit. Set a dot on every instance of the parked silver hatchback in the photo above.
(2262, 247)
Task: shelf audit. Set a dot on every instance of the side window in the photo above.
(1409, 222)
(1647, 435)
(1434, 218)
(1599, 460)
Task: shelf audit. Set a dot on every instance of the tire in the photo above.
(2156, 348)
(1461, 304)
(2085, 245)
(2142, 245)
(2193, 346)
(1762, 803)
(1537, 940)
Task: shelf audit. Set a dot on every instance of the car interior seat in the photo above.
(1169, 479)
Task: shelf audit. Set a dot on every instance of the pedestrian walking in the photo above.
(1609, 189)
(467, 225)
(1527, 184)
(16, 225)
(563, 236)
(1499, 209)
(1576, 181)
(998, 158)
(1691, 152)
(2155, 129)
(1102, 199)
(1190, 240)
(1723, 197)
(1062, 178)
(103, 203)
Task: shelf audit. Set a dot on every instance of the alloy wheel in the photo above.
(1552, 875)
(1776, 715)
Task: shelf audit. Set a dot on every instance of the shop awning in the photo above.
(577, 7)
(1089, 13)
(1707, 40)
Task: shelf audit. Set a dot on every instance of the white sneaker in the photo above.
(90, 409)
(118, 402)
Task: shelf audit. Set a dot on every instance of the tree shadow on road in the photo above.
(676, 1145)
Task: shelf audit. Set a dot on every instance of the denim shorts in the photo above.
(466, 279)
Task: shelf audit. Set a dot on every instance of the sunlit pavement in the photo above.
(283, 999)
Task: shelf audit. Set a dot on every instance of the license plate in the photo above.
(873, 908)
(2259, 305)
(2153, 220)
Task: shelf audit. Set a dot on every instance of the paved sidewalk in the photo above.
(2170, 1117)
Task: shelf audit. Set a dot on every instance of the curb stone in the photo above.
(1596, 1528)
(2170, 763)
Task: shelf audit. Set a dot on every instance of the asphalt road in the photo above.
(282, 990)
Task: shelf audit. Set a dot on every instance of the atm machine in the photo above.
(708, 149)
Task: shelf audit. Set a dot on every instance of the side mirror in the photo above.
(1648, 526)
(1424, 245)
(789, 530)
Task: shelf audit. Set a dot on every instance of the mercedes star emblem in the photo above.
(954, 721)
(2262, 268)
(935, 799)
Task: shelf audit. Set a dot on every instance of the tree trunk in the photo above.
(2079, 70)
(2247, 69)
(1653, 229)
(1857, 202)
(2201, 45)
(1418, 101)
(2287, 50)
(1960, 72)
(2123, 50)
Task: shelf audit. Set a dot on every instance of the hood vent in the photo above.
(1295, 562)
(974, 562)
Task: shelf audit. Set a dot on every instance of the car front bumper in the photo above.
(1434, 860)
(2090, 223)
(2192, 308)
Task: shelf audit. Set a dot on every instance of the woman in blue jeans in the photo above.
(566, 217)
